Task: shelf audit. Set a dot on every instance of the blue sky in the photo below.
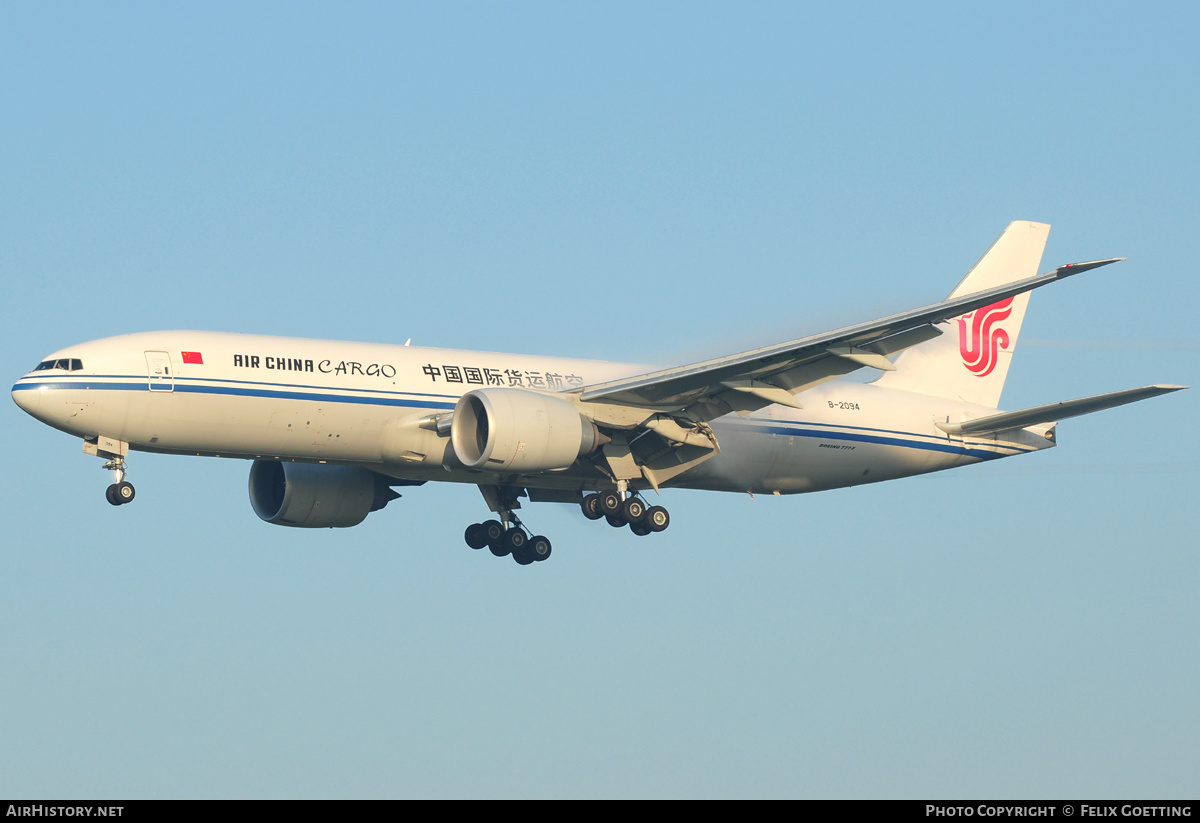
(626, 182)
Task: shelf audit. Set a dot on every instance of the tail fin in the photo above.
(970, 360)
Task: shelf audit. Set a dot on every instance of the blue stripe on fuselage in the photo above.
(864, 435)
(447, 401)
(883, 437)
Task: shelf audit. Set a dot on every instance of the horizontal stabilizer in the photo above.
(1054, 411)
(1079, 268)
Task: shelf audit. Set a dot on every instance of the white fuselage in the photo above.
(248, 396)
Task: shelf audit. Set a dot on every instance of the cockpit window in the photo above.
(65, 363)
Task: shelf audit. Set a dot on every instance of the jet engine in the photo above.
(512, 430)
(315, 495)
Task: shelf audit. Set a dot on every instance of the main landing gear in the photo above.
(121, 491)
(632, 512)
(509, 536)
(513, 540)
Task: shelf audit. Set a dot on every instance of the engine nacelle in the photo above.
(512, 430)
(315, 495)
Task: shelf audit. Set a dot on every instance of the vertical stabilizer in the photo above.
(970, 360)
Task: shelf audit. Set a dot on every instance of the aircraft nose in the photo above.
(27, 397)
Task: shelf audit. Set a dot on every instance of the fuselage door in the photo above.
(158, 365)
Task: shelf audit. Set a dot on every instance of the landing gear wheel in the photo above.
(640, 529)
(475, 536)
(633, 510)
(119, 493)
(610, 503)
(615, 520)
(591, 507)
(539, 548)
(493, 532)
(515, 540)
(657, 518)
(524, 555)
(125, 492)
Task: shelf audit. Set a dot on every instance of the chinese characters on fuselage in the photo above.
(522, 378)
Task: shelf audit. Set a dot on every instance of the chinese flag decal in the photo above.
(193, 357)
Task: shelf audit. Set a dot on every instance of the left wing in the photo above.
(775, 374)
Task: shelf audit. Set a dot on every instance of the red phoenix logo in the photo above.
(979, 341)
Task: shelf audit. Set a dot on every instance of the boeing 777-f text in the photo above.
(334, 427)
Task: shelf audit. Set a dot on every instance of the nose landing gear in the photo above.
(121, 491)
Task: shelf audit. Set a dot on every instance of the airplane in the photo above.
(333, 428)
